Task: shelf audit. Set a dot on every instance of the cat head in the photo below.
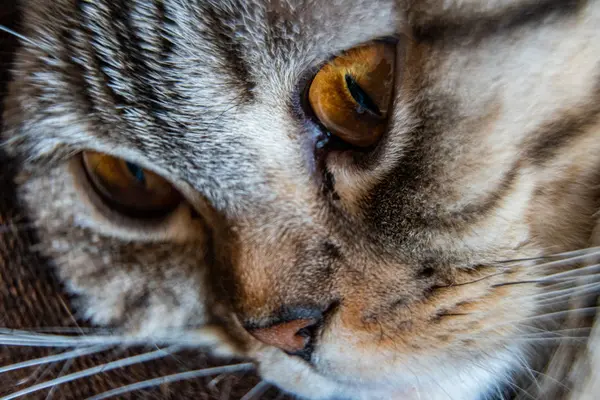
(338, 186)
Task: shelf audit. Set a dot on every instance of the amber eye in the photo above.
(352, 94)
(128, 187)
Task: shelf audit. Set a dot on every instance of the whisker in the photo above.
(172, 378)
(37, 375)
(577, 335)
(507, 380)
(18, 35)
(12, 337)
(18, 340)
(204, 337)
(212, 385)
(561, 263)
(94, 370)
(549, 377)
(583, 311)
(474, 280)
(256, 391)
(62, 372)
(590, 269)
(547, 295)
(530, 372)
(557, 333)
(577, 291)
(54, 358)
(534, 281)
(68, 310)
(575, 339)
(588, 251)
(69, 329)
(568, 255)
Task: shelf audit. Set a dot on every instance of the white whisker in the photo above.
(12, 337)
(256, 391)
(94, 370)
(68, 329)
(87, 341)
(62, 372)
(578, 335)
(584, 311)
(205, 337)
(575, 339)
(55, 358)
(568, 256)
(536, 281)
(592, 270)
(584, 332)
(18, 35)
(550, 294)
(576, 253)
(577, 291)
(173, 378)
(563, 262)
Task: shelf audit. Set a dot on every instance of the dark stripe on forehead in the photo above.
(77, 72)
(166, 47)
(473, 27)
(220, 30)
(135, 58)
(127, 54)
(97, 82)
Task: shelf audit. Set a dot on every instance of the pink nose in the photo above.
(290, 336)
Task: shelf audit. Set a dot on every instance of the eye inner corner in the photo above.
(363, 100)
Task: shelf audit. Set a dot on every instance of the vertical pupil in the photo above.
(136, 172)
(360, 96)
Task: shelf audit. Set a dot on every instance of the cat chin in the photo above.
(467, 382)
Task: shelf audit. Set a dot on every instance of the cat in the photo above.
(368, 199)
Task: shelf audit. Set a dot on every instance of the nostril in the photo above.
(291, 336)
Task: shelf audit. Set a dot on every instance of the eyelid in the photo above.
(309, 74)
(179, 225)
(116, 181)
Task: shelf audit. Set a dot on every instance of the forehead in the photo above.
(206, 90)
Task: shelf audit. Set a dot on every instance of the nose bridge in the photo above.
(280, 263)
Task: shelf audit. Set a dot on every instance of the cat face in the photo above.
(184, 175)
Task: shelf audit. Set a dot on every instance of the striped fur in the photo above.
(438, 254)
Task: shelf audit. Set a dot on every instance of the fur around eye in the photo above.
(351, 95)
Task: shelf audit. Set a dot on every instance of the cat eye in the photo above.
(352, 94)
(129, 188)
